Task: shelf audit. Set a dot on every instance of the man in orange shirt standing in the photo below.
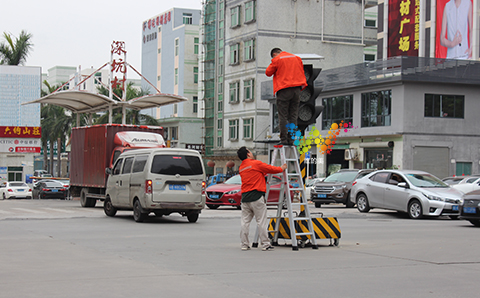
(253, 173)
(288, 81)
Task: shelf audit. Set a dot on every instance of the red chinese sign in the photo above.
(159, 20)
(118, 65)
(20, 132)
(27, 149)
(403, 27)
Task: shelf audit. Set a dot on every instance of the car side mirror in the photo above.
(108, 171)
(402, 184)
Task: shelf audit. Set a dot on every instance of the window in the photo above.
(337, 109)
(195, 104)
(139, 163)
(15, 173)
(248, 89)
(195, 45)
(249, 50)
(234, 54)
(221, 29)
(249, 11)
(177, 46)
(219, 123)
(376, 108)
(463, 168)
(174, 131)
(220, 85)
(176, 76)
(175, 108)
(187, 19)
(444, 106)
(380, 177)
(195, 75)
(127, 165)
(183, 165)
(158, 78)
(378, 158)
(370, 23)
(233, 129)
(117, 167)
(220, 106)
(234, 92)
(248, 128)
(369, 57)
(235, 16)
(219, 142)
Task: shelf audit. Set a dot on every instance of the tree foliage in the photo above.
(15, 50)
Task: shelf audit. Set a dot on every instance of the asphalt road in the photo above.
(56, 248)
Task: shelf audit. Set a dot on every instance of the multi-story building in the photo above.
(170, 49)
(19, 124)
(238, 37)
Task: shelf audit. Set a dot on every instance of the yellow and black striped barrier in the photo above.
(325, 228)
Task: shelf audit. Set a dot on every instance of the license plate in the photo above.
(19, 190)
(177, 187)
(54, 190)
(455, 207)
(213, 196)
(469, 210)
(321, 196)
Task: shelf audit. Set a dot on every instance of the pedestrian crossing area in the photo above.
(51, 209)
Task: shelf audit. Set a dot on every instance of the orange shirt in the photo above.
(287, 70)
(253, 173)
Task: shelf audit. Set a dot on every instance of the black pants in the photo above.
(287, 106)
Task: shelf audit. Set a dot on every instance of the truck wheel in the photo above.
(108, 207)
(318, 204)
(86, 202)
(138, 214)
(192, 217)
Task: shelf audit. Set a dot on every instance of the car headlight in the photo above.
(232, 192)
(433, 198)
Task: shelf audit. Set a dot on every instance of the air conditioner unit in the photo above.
(350, 154)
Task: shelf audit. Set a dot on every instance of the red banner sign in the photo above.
(27, 149)
(403, 27)
(20, 132)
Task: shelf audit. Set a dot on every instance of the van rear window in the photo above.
(176, 164)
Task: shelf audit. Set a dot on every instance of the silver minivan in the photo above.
(158, 180)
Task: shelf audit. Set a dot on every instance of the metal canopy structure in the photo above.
(87, 102)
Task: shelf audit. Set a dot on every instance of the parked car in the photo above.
(15, 190)
(229, 193)
(310, 185)
(417, 193)
(470, 210)
(453, 180)
(336, 187)
(468, 184)
(49, 189)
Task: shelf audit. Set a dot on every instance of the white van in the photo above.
(158, 180)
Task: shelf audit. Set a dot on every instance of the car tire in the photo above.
(108, 208)
(362, 203)
(318, 204)
(86, 202)
(4, 197)
(415, 209)
(213, 206)
(192, 217)
(239, 207)
(138, 214)
(475, 222)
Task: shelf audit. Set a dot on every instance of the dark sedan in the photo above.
(470, 210)
(49, 190)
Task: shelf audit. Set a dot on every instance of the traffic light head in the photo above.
(308, 111)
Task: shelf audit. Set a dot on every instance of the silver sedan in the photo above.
(414, 192)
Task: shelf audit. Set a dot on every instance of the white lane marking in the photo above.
(29, 210)
(5, 212)
(58, 210)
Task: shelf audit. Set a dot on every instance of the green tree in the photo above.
(132, 116)
(15, 52)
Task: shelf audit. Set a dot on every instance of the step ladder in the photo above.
(289, 155)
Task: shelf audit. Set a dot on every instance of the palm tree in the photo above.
(132, 116)
(15, 52)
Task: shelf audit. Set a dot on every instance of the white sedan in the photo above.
(15, 190)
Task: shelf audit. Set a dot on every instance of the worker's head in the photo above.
(274, 52)
(244, 153)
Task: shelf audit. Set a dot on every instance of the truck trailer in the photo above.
(95, 148)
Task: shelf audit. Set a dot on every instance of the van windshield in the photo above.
(173, 164)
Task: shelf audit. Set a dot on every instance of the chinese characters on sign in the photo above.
(403, 27)
(162, 19)
(20, 132)
(118, 65)
(199, 147)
